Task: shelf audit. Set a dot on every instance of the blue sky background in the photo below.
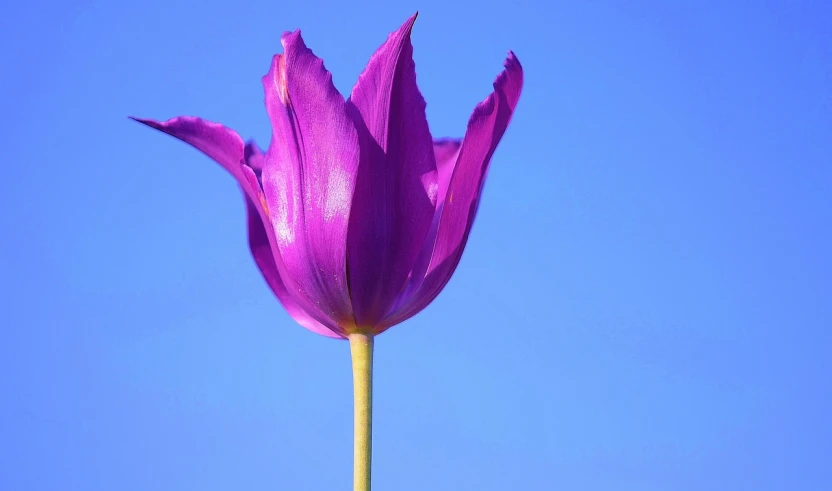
(644, 303)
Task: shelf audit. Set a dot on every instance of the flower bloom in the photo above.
(356, 217)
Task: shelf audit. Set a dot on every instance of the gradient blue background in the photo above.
(644, 303)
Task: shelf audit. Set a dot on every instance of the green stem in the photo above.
(361, 348)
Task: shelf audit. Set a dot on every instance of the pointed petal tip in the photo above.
(290, 38)
(512, 62)
(510, 79)
(407, 26)
(145, 121)
(165, 126)
(507, 87)
(412, 20)
(169, 124)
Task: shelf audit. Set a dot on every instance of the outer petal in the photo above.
(227, 148)
(395, 194)
(446, 152)
(220, 143)
(261, 250)
(309, 176)
(485, 129)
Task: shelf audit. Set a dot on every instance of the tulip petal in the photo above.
(446, 152)
(485, 129)
(218, 142)
(309, 176)
(261, 250)
(395, 195)
(225, 146)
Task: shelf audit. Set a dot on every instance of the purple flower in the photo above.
(356, 217)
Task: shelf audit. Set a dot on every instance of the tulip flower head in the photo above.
(357, 217)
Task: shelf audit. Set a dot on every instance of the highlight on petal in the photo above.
(485, 129)
(309, 177)
(261, 250)
(395, 194)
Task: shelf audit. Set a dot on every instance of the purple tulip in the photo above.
(356, 217)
